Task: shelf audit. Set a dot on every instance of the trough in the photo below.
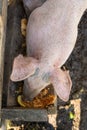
(11, 44)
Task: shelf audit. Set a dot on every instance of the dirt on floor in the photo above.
(77, 64)
(73, 114)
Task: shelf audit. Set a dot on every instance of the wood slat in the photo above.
(31, 115)
(3, 19)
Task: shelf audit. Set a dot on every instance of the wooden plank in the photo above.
(32, 115)
(13, 47)
(3, 19)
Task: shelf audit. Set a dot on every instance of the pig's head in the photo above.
(37, 76)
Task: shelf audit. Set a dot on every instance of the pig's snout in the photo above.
(33, 85)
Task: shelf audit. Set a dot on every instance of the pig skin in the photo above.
(51, 37)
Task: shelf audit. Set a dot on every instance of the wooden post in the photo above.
(3, 19)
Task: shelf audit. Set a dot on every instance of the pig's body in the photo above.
(46, 32)
(51, 36)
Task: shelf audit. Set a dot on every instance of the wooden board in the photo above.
(13, 44)
(25, 114)
(3, 20)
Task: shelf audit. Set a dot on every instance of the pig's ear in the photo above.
(62, 83)
(23, 67)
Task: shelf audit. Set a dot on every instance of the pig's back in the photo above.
(47, 31)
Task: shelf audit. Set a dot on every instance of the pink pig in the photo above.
(51, 36)
(30, 5)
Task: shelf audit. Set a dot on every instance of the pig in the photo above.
(30, 5)
(51, 36)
